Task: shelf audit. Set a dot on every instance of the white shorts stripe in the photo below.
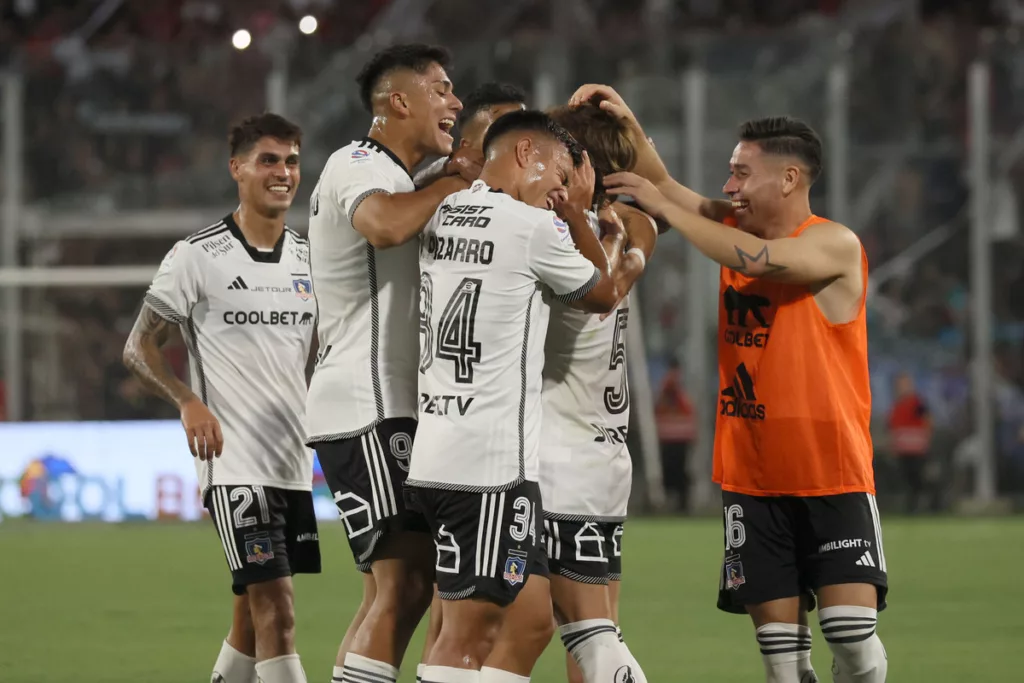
(218, 520)
(234, 560)
(878, 530)
(480, 533)
(497, 534)
(386, 482)
(558, 541)
(489, 535)
(373, 478)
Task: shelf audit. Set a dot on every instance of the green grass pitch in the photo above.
(151, 602)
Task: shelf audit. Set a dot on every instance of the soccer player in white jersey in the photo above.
(491, 259)
(361, 407)
(586, 470)
(585, 467)
(239, 291)
(480, 108)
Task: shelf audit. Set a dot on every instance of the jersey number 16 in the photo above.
(455, 328)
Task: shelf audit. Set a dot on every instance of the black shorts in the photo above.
(781, 547)
(488, 544)
(267, 533)
(586, 552)
(366, 474)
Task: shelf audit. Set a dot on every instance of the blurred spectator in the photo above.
(677, 428)
(910, 437)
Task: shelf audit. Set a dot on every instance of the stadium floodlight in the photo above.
(308, 24)
(241, 39)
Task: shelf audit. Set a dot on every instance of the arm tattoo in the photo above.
(143, 357)
(762, 257)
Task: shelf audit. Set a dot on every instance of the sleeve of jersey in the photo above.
(556, 262)
(175, 288)
(355, 178)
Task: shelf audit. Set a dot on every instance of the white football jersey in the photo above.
(585, 468)
(366, 299)
(247, 317)
(488, 263)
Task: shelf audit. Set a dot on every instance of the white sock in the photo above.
(786, 652)
(858, 656)
(419, 672)
(283, 669)
(492, 675)
(359, 669)
(449, 674)
(233, 667)
(601, 656)
(638, 673)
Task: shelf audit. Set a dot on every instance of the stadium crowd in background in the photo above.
(135, 116)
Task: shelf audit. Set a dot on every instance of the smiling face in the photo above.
(545, 168)
(431, 106)
(758, 184)
(267, 175)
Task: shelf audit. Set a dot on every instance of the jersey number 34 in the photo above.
(455, 340)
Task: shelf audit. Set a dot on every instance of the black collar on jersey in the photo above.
(374, 144)
(255, 254)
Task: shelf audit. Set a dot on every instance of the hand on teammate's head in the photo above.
(581, 186)
(467, 162)
(647, 196)
(605, 97)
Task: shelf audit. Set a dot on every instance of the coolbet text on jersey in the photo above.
(247, 317)
(794, 402)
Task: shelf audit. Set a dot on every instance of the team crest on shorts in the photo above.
(303, 288)
(734, 573)
(258, 549)
(515, 567)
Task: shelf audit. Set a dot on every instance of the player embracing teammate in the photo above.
(793, 451)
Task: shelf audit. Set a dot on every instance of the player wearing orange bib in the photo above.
(793, 451)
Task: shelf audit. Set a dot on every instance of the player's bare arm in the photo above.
(605, 253)
(820, 254)
(641, 236)
(389, 220)
(649, 164)
(143, 357)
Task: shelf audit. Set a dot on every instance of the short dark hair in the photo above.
(415, 56)
(489, 95)
(605, 137)
(247, 132)
(534, 121)
(786, 136)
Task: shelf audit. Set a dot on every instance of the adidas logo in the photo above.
(739, 400)
(865, 561)
(238, 283)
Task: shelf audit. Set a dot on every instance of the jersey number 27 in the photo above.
(455, 338)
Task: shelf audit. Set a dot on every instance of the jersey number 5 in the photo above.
(455, 328)
(616, 399)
